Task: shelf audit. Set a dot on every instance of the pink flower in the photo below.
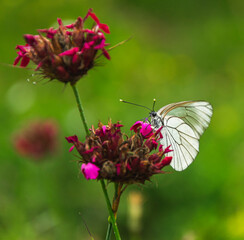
(145, 129)
(37, 139)
(90, 171)
(66, 53)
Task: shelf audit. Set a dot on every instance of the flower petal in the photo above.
(50, 32)
(94, 17)
(167, 150)
(72, 139)
(30, 39)
(160, 149)
(136, 125)
(70, 52)
(17, 59)
(90, 150)
(146, 130)
(71, 148)
(101, 45)
(104, 27)
(104, 129)
(90, 171)
(105, 53)
(166, 161)
(25, 61)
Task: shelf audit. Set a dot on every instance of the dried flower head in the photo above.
(37, 140)
(109, 154)
(66, 53)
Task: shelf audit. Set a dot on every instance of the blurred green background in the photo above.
(180, 50)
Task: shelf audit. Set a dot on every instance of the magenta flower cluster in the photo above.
(109, 154)
(66, 53)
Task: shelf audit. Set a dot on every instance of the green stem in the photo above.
(112, 220)
(111, 214)
(109, 231)
(110, 224)
(77, 97)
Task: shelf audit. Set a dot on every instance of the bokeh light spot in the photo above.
(20, 97)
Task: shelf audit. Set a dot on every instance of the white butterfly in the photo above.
(183, 124)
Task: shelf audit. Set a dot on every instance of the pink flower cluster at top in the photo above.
(66, 53)
(108, 154)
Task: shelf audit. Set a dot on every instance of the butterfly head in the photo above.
(153, 114)
(156, 120)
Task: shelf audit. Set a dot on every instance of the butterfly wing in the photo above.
(184, 123)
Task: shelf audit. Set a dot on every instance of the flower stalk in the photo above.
(116, 199)
(111, 214)
(117, 195)
(82, 115)
(109, 230)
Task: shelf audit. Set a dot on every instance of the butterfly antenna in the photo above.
(143, 119)
(154, 101)
(135, 104)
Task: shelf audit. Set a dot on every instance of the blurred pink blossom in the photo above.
(37, 139)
